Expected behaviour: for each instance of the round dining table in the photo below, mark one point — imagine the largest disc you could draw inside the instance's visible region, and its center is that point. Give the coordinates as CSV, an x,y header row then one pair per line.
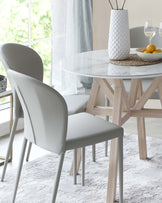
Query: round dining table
x,y
123,104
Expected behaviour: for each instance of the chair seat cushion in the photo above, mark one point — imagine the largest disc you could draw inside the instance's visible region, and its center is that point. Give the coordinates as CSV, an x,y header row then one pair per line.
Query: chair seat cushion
x,y
76,103
85,129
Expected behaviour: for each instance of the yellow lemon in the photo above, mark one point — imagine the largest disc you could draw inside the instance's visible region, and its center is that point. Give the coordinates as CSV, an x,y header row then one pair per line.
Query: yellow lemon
x,y
155,52
148,52
158,50
142,50
151,48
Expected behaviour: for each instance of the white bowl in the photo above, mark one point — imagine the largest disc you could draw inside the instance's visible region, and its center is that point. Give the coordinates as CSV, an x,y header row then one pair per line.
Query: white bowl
x,y
149,56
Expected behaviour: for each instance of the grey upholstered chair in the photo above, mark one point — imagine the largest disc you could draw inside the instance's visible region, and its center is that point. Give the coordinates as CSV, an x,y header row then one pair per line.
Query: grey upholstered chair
x,y
139,40
25,60
48,125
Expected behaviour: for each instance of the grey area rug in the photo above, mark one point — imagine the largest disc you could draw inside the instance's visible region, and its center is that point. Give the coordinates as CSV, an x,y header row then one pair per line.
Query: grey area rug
x,y
142,179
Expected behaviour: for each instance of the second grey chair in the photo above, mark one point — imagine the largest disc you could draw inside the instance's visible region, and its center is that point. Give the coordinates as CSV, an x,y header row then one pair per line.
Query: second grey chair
x,y
48,125
25,60
139,40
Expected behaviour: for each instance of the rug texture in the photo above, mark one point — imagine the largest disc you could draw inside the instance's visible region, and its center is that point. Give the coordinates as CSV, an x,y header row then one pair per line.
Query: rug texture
x,y
142,179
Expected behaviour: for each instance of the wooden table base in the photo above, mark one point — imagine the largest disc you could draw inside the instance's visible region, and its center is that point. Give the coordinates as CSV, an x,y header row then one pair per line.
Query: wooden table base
x,y
124,107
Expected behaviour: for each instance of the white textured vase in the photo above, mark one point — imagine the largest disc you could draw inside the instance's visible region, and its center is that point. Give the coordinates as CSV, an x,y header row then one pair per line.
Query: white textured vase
x,y
119,37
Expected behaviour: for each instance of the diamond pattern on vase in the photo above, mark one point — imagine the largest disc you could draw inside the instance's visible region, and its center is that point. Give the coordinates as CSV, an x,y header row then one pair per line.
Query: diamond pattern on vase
x,y
119,38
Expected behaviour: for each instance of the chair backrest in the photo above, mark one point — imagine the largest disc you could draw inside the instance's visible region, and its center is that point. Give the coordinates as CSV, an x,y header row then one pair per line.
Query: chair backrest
x,y
139,40
24,60
45,112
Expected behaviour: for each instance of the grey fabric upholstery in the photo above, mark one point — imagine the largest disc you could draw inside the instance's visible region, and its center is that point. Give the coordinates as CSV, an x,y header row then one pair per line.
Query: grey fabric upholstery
x,y
86,129
139,40
76,103
48,125
25,60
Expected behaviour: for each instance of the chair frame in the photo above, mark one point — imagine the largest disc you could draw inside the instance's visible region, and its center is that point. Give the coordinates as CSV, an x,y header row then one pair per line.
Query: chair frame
x,y
35,136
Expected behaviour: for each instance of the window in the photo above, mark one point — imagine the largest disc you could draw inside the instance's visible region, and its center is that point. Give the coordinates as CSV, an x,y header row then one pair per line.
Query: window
x,y
27,22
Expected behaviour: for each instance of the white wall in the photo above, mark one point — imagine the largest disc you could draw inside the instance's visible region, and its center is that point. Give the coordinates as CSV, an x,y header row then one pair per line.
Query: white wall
x,y
101,14
139,11
100,30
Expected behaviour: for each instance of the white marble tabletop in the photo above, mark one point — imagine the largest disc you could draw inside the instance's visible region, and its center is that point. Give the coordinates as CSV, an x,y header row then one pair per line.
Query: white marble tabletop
x,y
96,64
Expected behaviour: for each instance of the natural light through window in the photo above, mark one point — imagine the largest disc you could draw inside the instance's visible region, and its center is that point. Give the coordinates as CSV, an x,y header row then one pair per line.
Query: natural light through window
x,y
28,22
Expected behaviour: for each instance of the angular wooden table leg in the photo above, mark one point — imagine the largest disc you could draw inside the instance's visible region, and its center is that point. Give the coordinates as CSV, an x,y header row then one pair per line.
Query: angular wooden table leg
x,y
142,138
140,120
112,176
113,161
141,130
134,95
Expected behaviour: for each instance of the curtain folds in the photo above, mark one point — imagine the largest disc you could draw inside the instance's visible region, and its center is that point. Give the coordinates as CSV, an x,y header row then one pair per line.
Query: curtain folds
x,y
72,32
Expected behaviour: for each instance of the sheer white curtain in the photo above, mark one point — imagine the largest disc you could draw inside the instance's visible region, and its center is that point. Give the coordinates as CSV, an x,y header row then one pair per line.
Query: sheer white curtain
x,y
71,33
